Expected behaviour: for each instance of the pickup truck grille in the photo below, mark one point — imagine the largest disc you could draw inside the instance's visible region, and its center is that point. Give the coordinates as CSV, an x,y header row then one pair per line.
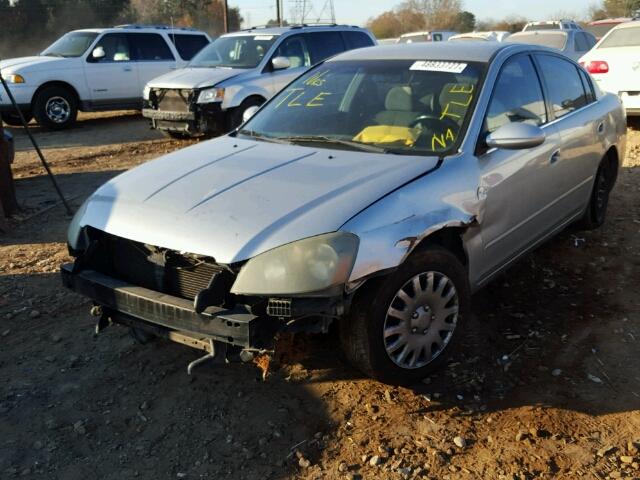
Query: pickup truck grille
x,y
173,100
167,271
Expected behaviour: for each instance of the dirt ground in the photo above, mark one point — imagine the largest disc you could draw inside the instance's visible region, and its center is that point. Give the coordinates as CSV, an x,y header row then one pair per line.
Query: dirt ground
x,y
545,383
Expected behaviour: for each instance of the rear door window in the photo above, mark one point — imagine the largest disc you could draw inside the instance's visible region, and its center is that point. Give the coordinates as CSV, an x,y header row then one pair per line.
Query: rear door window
x,y
323,45
188,45
588,86
355,40
149,47
562,79
580,42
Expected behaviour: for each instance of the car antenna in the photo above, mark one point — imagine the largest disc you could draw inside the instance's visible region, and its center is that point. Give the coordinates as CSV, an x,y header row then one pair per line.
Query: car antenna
x,y
35,145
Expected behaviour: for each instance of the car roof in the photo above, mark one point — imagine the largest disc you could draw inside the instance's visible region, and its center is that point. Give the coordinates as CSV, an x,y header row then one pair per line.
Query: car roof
x,y
143,28
543,32
451,51
630,24
611,21
292,28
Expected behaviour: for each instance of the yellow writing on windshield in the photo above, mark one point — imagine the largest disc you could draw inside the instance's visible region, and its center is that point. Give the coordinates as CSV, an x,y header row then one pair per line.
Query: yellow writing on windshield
x,y
441,140
316,80
456,107
293,98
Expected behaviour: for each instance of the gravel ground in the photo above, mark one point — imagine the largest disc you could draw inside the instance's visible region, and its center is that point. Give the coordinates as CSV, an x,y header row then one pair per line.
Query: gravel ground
x,y
544,384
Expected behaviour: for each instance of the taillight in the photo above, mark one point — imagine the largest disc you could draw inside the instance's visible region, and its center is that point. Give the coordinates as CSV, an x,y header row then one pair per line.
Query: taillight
x,y
597,66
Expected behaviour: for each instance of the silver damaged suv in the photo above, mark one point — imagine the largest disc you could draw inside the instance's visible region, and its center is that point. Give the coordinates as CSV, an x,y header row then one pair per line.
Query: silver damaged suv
x,y
238,71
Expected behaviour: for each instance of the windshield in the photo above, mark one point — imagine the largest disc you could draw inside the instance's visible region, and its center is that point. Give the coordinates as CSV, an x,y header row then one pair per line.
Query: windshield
x,y
554,40
245,51
600,30
623,37
394,106
72,44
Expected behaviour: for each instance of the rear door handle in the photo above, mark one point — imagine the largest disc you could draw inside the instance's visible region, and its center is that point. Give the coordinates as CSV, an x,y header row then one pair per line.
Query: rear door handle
x,y
555,156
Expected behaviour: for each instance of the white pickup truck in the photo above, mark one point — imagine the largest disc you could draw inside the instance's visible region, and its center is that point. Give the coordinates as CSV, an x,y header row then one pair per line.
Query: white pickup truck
x,y
94,70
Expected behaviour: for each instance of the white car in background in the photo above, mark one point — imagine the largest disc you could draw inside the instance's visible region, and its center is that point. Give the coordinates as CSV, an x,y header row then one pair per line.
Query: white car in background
x,y
433,36
493,36
615,64
94,70
572,43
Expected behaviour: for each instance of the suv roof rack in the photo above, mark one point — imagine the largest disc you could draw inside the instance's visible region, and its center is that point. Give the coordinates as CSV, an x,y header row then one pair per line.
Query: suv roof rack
x,y
157,27
299,25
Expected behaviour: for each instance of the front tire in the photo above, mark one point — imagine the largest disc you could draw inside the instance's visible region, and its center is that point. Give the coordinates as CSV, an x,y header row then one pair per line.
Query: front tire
x,y
55,108
401,330
13,119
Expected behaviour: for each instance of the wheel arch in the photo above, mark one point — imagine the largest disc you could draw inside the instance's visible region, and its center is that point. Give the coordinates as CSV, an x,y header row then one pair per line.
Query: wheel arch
x,y
56,83
449,238
614,159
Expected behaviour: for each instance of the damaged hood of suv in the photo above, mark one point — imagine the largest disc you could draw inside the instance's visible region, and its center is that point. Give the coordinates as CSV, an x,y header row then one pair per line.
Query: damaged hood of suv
x,y
190,77
233,199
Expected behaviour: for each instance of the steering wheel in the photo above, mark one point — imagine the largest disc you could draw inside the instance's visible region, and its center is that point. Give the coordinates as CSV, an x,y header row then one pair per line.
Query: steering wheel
x,y
434,122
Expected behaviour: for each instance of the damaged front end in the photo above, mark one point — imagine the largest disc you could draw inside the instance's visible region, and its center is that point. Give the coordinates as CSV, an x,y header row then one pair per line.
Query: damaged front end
x,y
190,298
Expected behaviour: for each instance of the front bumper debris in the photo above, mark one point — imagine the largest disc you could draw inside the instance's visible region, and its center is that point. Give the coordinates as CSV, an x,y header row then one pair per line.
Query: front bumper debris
x,y
125,303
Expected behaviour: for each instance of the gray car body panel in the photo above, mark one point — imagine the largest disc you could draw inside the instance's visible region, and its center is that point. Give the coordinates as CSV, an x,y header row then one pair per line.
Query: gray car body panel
x,y
233,199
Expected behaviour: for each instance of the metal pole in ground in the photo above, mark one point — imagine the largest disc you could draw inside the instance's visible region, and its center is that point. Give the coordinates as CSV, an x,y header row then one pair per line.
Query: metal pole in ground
x,y
35,145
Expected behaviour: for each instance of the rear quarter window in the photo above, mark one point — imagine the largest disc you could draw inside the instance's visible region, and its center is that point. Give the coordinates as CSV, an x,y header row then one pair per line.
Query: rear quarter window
x,y
149,47
355,40
188,45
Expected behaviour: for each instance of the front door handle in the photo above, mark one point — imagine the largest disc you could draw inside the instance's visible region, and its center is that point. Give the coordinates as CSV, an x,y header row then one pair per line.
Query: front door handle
x,y
601,128
126,69
555,156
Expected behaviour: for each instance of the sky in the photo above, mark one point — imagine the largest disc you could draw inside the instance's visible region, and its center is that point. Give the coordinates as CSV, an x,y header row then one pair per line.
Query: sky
x,y
357,12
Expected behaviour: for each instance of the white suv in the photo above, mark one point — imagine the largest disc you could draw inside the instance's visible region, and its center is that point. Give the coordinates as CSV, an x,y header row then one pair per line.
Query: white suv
x,y
94,70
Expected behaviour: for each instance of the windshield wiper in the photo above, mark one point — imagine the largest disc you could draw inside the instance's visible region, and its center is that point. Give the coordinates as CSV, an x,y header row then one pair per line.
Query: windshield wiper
x,y
365,147
263,137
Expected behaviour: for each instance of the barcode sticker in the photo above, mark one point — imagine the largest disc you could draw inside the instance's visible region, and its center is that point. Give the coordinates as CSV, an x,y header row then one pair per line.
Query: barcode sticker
x,y
439,66
263,37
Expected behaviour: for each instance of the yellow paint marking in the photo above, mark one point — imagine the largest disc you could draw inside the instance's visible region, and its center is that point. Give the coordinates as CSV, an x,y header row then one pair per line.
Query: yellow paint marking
x,y
450,135
461,89
286,97
438,139
447,113
316,80
292,102
318,100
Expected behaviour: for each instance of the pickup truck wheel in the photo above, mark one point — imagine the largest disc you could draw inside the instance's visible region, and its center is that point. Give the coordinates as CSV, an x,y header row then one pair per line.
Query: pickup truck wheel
x,y
401,330
13,119
596,212
55,108
235,117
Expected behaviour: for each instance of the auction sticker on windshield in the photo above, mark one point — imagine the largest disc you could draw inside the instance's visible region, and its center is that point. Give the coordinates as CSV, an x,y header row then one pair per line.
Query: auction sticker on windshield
x,y
263,37
434,66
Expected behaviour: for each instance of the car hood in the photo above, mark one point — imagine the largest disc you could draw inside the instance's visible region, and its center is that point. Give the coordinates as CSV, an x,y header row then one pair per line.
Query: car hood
x,y
13,64
232,199
194,77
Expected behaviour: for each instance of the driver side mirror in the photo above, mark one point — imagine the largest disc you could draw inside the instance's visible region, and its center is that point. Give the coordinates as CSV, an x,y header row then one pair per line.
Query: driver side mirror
x,y
98,53
516,136
280,63
249,112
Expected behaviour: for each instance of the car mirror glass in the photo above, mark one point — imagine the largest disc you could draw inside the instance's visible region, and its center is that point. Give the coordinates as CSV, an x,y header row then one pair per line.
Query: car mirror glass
x,y
280,63
249,112
98,53
516,136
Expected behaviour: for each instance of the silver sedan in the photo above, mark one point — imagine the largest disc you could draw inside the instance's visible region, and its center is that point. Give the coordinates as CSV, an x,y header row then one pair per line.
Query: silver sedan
x,y
379,190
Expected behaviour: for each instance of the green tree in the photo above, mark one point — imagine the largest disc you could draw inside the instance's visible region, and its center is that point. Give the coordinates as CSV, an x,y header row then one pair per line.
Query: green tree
x,y
621,8
465,22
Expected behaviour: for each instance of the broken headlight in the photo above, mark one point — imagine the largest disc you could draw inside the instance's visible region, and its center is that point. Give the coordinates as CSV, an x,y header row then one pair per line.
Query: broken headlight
x,y
211,95
306,266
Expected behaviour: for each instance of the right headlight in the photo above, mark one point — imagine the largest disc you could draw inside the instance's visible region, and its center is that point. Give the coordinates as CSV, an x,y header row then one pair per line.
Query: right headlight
x,y
146,92
211,95
306,266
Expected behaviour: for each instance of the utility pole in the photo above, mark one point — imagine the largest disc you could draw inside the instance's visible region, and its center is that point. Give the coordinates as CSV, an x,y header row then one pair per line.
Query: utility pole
x,y
225,16
278,13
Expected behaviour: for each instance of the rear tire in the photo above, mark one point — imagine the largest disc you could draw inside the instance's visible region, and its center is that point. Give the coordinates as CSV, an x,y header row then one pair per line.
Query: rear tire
x,y
235,117
374,338
55,108
13,119
596,212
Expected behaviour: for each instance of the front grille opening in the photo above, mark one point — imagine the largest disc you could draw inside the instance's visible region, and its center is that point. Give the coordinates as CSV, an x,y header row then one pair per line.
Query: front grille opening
x,y
173,100
163,270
